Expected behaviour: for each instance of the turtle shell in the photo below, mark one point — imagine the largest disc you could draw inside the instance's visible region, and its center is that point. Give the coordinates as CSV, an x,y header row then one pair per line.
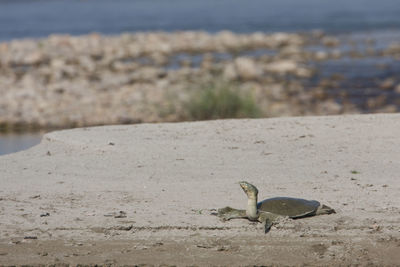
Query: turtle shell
x,y
287,206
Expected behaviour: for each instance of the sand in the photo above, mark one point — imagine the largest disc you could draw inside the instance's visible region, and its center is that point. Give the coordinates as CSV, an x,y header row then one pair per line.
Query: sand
x,y
145,194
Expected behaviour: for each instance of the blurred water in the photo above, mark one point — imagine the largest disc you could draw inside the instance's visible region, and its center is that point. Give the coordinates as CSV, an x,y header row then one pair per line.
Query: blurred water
x,y
10,143
38,18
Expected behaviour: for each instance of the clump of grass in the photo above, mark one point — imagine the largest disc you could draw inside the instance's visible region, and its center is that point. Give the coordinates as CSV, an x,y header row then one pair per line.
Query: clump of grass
x,y
221,100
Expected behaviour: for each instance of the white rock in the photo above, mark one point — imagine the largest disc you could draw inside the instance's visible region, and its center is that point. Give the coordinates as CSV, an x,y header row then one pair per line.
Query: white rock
x,y
247,69
282,66
230,72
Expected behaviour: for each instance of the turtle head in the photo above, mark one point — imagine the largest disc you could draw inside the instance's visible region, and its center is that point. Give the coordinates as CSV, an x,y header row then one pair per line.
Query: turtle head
x,y
250,190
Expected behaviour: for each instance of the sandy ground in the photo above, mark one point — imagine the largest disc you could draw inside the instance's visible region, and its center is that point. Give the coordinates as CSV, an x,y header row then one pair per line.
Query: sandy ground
x,y
145,194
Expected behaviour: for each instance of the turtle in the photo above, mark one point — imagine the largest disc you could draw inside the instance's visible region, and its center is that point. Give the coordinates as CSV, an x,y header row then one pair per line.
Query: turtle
x,y
269,210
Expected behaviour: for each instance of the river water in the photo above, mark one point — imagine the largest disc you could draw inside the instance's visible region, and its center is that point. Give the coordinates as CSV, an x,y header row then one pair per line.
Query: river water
x,y
40,18
10,143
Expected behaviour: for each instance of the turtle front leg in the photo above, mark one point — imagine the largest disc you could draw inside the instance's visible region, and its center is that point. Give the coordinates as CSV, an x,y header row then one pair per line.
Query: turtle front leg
x,y
267,219
229,213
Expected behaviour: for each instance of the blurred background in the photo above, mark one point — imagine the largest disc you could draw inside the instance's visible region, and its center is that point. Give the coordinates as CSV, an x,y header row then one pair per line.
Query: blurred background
x,y
77,63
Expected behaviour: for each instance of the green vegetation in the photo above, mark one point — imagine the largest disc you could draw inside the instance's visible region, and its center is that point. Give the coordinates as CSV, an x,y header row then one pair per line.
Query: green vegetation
x,y
355,172
18,127
219,100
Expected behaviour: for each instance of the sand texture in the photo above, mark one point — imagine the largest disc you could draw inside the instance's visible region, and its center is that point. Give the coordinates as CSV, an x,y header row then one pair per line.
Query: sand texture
x,y
145,194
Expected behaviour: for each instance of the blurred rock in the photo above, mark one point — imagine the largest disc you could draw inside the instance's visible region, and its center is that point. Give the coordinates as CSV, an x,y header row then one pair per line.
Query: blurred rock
x,y
393,49
321,55
376,102
247,69
230,72
387,84
282,66
330,41
329,107
397,89
388,109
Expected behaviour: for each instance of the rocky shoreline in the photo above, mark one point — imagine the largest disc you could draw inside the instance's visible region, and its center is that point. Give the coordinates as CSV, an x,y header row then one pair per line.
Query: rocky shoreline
x,y
68,81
